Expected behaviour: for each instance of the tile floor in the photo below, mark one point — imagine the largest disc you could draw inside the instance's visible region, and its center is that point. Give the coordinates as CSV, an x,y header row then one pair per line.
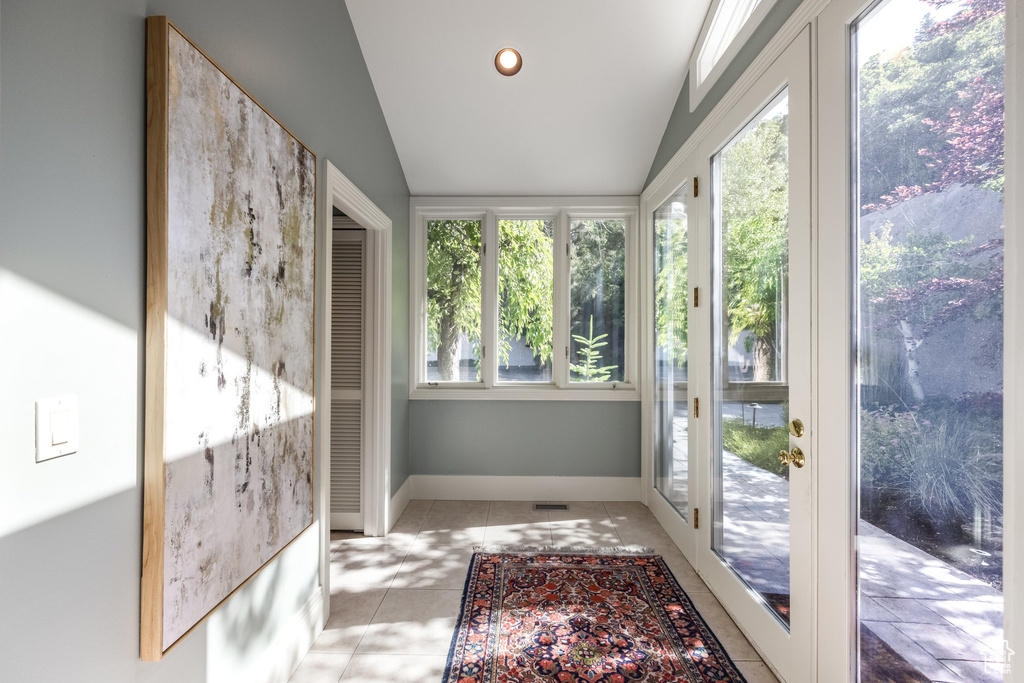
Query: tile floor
x,y
395,600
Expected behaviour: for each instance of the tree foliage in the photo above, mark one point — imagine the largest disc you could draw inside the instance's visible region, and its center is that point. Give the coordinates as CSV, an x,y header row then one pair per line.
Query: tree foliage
x,y
453,290
755,221
454,278
597,287
671,292
526,275
931,109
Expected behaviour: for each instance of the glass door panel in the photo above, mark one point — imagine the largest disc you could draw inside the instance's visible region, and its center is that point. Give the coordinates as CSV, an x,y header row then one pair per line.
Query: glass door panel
x,y
671,301
750,312
927,223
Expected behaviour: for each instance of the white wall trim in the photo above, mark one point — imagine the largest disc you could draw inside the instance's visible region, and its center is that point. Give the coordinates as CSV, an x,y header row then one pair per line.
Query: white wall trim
x,y
1013,363
618,392
458,487
667,179
400,501
488,210
342,193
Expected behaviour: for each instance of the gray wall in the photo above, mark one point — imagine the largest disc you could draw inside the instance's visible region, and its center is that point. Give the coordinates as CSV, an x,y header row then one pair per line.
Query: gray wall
x,y
72,311
683,122
525,438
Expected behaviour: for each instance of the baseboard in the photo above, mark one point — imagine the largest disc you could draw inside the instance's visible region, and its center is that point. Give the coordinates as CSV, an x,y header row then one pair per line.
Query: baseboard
x,y
464,487
399,501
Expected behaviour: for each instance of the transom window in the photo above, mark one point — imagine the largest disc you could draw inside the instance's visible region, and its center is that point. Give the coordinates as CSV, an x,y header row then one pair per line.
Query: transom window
x,y
523,300
728,25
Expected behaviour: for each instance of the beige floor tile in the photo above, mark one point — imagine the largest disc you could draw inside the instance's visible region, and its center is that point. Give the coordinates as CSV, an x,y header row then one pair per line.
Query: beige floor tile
x,y
338,538
440,531
370,668
373,567
419,622
319,667
514,512
352,610
722,625
643,532
627,510
442,567
688,579
536,534
417,507
403,533
598,533
579,510
448,508
756,672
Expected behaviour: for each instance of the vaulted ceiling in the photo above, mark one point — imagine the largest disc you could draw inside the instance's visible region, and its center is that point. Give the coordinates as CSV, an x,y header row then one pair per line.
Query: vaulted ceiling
x,y
584,116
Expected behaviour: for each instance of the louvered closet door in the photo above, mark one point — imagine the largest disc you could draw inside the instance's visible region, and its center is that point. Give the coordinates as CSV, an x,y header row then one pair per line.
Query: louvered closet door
x,y
347,320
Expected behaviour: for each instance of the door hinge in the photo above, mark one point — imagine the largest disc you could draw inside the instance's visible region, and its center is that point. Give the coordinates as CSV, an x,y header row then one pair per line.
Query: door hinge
x,y
483,351
695,186
696,407
567,249
696,518
484,246
696,297
566,351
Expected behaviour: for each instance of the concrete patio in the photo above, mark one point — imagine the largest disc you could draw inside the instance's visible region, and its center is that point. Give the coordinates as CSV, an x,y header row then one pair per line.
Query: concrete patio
x,y
943,622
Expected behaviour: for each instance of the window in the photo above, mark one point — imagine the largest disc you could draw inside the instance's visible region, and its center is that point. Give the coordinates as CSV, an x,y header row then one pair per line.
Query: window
x,y
523,301
728,25
453,300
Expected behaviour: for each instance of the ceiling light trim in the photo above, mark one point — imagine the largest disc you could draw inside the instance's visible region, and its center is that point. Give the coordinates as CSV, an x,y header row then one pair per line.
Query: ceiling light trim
x,y
502,67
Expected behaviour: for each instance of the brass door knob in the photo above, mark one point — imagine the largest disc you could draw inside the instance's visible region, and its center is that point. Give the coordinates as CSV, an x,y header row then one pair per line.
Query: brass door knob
x,y
796,428
795,458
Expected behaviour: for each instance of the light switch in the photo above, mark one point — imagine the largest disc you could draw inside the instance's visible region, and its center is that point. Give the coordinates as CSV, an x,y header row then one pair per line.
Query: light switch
x,y
56,427
59,427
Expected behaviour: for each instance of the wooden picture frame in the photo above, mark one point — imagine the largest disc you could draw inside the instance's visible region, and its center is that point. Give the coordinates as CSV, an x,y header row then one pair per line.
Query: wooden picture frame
x,y
231,223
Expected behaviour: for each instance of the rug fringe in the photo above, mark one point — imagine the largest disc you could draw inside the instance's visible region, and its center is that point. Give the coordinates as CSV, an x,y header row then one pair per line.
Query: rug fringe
x,y
564,550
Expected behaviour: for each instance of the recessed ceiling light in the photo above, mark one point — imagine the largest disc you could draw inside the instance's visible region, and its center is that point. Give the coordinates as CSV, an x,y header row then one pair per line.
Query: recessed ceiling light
x,y
508,62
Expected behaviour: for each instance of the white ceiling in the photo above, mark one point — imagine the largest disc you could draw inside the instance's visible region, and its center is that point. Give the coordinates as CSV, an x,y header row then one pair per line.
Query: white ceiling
x,y
583,117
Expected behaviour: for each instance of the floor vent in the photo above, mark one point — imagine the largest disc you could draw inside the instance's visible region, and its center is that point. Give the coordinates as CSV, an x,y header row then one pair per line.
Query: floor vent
x,y
550,506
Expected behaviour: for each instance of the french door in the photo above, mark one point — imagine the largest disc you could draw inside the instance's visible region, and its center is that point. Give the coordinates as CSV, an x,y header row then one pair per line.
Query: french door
x,y
733,462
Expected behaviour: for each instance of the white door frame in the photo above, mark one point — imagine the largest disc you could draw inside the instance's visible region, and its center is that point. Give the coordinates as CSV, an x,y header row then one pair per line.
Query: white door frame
x,y
837,519
340,192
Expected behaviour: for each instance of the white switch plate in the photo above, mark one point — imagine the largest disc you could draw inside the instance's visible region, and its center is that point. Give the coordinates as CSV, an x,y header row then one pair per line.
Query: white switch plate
x,y
56,427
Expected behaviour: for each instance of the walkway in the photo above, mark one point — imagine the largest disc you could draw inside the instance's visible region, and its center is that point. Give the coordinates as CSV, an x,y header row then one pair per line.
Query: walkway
x,y
945,623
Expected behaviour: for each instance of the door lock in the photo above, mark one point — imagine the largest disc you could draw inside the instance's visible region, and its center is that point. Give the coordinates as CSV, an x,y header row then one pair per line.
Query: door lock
x,y
795,458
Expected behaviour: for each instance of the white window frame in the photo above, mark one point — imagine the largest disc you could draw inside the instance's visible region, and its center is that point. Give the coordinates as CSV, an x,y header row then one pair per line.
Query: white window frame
x,y
489,210
728,25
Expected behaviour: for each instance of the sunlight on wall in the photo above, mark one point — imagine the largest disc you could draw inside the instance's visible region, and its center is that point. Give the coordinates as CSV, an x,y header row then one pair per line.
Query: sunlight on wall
x,y
193,350
53,346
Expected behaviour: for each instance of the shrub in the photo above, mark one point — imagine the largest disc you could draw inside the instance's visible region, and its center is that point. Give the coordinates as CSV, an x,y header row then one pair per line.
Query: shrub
x,y
759,446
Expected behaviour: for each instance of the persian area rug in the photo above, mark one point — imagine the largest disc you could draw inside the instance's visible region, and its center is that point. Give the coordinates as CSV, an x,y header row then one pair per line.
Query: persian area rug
x,y
566,615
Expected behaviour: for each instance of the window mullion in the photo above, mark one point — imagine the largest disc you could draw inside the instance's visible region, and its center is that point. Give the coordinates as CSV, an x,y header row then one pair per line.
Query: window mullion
x,y
560,367
489,302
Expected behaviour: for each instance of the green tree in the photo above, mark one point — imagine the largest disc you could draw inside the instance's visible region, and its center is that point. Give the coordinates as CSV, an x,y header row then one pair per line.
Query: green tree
x,y
453,289
590,370
525,281
526,276
900,97
597,286
755,217
670,287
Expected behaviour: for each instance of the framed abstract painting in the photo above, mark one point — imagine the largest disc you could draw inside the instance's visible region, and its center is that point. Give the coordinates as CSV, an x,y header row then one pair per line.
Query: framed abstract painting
x,y
231,216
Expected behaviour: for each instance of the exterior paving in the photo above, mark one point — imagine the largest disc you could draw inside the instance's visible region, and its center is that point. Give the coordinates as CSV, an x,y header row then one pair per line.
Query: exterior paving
x,y
942,621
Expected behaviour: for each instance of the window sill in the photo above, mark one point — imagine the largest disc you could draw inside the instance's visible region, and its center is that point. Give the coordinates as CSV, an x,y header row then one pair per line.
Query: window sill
x,y
548,392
